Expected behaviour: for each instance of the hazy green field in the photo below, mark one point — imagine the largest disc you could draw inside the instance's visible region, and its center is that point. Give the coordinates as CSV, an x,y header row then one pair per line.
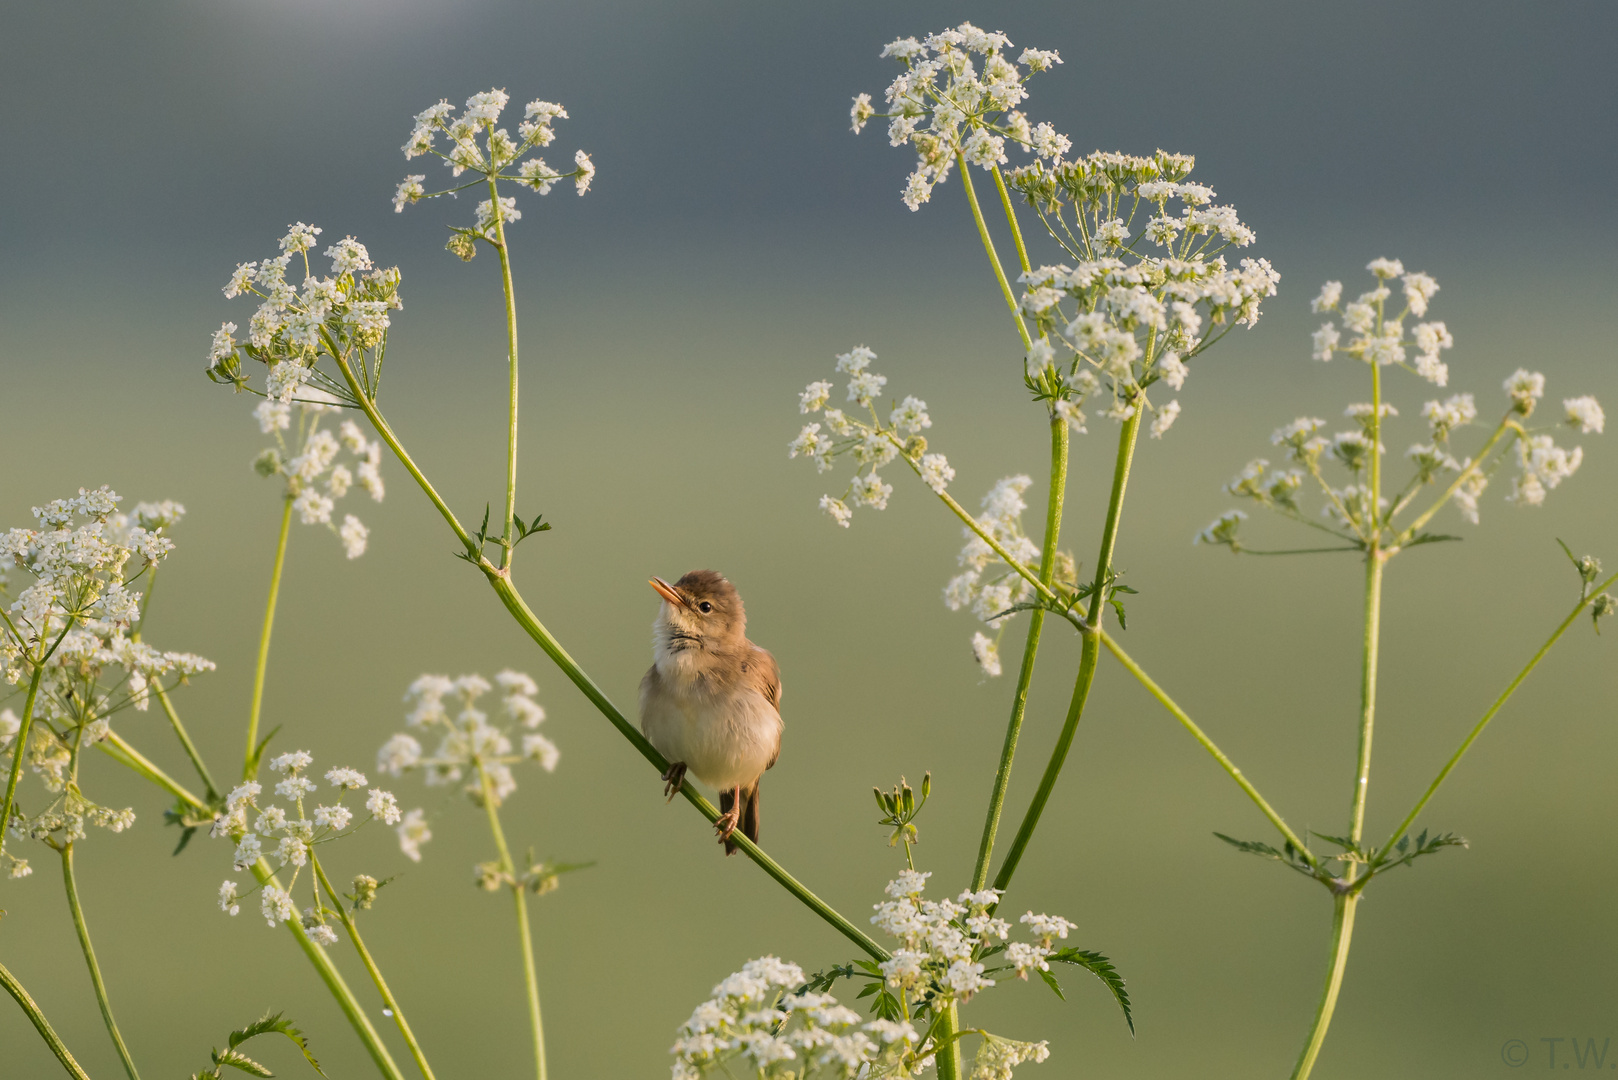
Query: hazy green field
x,y
655,435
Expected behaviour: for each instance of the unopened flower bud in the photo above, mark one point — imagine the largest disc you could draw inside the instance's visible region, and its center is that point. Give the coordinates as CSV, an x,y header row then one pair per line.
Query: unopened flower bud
x,y
915,446
462,246
365,887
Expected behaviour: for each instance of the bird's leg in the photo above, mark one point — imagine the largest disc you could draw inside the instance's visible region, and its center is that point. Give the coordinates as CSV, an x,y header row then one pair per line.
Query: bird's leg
x,y
673,779
732,816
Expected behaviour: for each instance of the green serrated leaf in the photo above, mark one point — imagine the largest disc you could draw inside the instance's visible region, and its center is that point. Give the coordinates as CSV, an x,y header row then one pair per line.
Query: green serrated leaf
x,y
238,1060
1103,969
186,833
1433,538
887,1007
276,1024
1050,981
1118,606
870,988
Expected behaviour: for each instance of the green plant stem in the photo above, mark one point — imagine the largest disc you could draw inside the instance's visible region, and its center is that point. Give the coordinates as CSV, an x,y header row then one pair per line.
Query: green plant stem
x,y
1375,560
37,1017
524,932
333,979
1207,744
1499,702
1011,218
118,748
1342,931
948,1059
511,338
1025,674
250,758
375,972
19,751
500,581
185,741
1090,651
994,259
90,960
1438,504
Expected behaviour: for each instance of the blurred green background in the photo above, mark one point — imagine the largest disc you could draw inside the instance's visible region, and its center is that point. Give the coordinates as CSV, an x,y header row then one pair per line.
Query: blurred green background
x,y
736,239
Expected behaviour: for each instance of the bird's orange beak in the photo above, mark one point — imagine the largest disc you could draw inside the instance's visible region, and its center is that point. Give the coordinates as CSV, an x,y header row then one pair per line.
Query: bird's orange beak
x,y
666,591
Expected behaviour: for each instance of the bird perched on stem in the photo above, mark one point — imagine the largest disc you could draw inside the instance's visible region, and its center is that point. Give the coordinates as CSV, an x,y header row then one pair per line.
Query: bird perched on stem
x,y
711,701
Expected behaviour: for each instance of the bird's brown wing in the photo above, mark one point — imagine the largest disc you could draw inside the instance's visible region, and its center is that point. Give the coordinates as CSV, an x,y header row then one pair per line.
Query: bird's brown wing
x,y
760,672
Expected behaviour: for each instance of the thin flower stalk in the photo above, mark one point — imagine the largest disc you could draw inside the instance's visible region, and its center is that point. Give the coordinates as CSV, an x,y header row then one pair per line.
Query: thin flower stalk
x,y
1089,653
1025,673
1489,714
524,931
90,961
511,338
262,665
36,1016
994,259
388,1000
1206,743
1342,933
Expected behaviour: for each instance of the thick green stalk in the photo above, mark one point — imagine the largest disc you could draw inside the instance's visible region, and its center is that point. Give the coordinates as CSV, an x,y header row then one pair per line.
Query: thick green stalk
x,y
375,972
994,259
948,1058
524,932
1025,674
250,759
37,1017
90,961
333,979
1090,650
18,752
511,338
1499,702
1207,744
1342,931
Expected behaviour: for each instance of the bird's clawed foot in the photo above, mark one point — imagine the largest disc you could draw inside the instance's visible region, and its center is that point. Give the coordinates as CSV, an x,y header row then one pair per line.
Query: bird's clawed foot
x,y
727,823
673,779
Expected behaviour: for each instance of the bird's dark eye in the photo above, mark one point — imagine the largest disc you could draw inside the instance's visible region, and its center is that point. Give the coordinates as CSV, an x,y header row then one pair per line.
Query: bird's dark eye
x,y
705,607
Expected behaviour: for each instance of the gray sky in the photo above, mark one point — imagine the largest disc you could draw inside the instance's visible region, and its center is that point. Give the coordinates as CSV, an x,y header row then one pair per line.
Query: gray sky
x,y
181,129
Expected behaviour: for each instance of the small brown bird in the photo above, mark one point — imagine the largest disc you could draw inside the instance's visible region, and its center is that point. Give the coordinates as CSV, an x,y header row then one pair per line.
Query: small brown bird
x,y
711,701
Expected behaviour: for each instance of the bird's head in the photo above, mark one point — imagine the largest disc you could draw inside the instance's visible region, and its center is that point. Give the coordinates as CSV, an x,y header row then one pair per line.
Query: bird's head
x,y
700,611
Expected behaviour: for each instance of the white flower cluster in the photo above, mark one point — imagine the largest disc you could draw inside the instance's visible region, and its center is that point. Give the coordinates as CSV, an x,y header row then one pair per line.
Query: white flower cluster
x,y
495,160
75,620
343,315
944,943
315,478
761,1019
264,830
989,585
1378,339
1121,317
957,99
1542,464
469,745
872,445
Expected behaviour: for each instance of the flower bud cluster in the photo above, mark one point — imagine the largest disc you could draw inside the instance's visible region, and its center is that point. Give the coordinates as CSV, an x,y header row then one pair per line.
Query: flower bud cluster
x,y
342,315
872,444
1122,317
498,157
290,833
77,622
957,99
469,746
315,478
1541,464
763,1020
